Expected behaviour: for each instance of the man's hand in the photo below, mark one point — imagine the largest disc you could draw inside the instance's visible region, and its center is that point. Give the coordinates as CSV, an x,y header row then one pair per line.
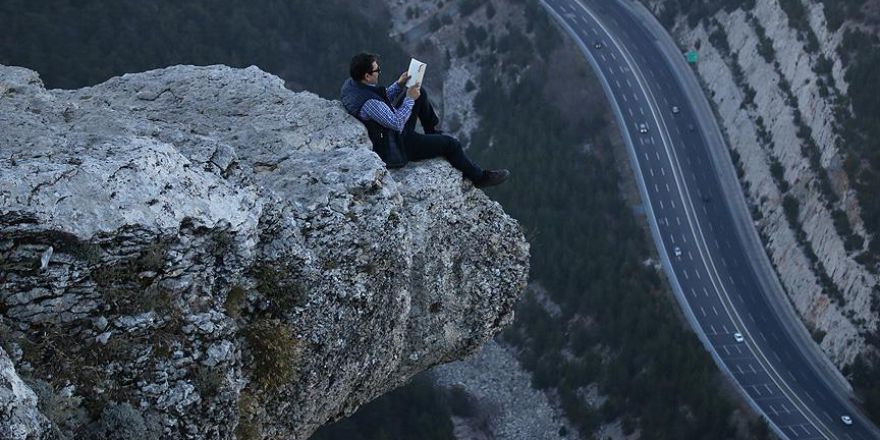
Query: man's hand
x,y
415,91
404,77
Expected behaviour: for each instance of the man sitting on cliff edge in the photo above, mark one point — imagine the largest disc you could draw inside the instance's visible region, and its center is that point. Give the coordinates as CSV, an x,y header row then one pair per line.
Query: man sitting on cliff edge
x,y
392,128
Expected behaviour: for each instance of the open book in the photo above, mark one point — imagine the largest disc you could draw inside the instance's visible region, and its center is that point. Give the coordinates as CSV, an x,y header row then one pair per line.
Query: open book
x,y
416,72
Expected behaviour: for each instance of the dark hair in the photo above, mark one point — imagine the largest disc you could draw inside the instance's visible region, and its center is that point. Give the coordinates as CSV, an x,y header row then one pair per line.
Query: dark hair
x,y
362,64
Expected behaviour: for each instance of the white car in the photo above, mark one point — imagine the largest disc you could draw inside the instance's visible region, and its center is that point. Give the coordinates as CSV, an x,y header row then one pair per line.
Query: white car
x,y
675,110
677,251
846,420
738,337
643,128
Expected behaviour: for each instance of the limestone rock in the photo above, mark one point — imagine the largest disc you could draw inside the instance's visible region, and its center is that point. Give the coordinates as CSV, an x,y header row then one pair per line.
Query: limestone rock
x,y
229,258
19,417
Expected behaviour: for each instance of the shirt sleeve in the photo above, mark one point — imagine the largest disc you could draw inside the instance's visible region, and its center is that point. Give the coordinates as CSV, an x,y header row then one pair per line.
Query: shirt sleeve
x,y
392,91
380,112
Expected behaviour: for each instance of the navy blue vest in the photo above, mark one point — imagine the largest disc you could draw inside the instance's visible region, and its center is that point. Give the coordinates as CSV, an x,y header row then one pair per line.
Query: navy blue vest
x,y
387,143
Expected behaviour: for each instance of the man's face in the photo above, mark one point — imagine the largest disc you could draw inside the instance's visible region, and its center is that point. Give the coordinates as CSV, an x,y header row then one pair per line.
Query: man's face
x,y
373,75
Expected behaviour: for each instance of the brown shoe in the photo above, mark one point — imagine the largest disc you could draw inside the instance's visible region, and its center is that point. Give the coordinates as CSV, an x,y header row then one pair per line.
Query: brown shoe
x,y
491,178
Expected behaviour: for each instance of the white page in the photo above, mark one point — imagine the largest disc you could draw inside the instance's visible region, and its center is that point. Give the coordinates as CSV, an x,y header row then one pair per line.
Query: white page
x,y
416,72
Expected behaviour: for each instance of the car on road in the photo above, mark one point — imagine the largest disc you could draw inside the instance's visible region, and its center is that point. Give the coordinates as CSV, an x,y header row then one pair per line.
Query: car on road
x,y
738,337
847,420
597,45
677,251
675,110
690,127
643,128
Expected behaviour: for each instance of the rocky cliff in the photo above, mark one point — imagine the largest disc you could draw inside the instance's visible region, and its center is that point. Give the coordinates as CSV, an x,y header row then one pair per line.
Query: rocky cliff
x,y
197,252
774,75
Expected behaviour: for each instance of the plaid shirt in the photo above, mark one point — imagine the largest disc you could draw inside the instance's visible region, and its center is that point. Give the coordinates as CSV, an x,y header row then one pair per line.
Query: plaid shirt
x,y
380,112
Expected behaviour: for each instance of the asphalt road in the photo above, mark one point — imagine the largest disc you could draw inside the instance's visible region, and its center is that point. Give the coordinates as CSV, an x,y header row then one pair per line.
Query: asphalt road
x,y
705,253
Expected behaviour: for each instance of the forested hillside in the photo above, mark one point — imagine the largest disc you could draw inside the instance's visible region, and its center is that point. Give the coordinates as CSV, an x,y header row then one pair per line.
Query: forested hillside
x,y
73,43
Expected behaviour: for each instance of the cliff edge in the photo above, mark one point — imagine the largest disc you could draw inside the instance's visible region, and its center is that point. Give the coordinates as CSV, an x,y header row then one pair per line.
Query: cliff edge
x,y
198,252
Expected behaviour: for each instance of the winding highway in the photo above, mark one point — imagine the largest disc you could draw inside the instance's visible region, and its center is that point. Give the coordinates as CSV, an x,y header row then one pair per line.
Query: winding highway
x,y
701,226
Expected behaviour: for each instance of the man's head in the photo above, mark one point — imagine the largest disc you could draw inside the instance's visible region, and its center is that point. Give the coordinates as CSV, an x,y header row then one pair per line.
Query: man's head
x,y
365,68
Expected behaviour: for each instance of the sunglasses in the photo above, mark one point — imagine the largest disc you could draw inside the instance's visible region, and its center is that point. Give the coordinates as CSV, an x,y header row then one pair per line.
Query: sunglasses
x,y
376,71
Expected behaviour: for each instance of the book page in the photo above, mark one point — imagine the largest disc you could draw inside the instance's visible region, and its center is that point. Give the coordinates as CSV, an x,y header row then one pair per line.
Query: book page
x,y
416,72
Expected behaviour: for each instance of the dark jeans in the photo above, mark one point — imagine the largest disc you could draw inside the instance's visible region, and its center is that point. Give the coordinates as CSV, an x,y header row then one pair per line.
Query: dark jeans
x,y
428,146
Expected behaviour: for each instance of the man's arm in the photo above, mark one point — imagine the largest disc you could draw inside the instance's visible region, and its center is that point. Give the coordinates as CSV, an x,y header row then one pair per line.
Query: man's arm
x,y
394,119
393,90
